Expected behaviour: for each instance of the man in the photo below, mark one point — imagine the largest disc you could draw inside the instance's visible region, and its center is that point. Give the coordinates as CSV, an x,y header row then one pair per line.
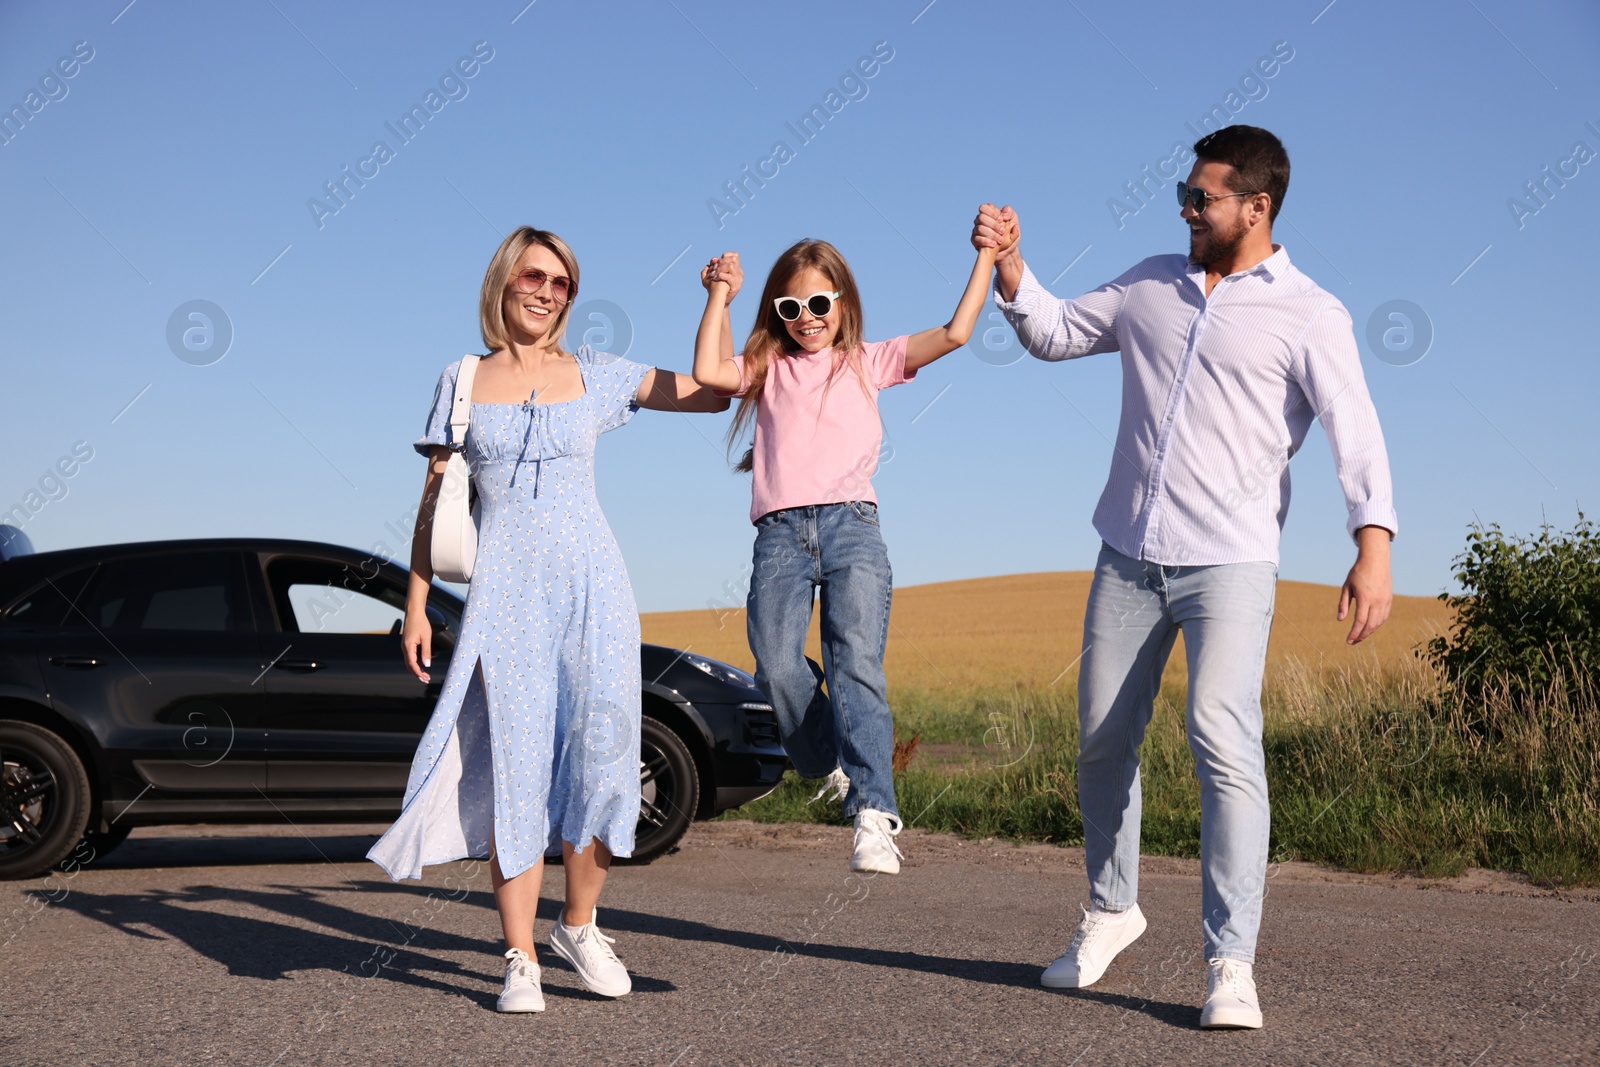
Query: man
x,y
1227,356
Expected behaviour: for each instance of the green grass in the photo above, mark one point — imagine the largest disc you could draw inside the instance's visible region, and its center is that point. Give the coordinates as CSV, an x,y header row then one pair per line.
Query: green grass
x,y
1370,774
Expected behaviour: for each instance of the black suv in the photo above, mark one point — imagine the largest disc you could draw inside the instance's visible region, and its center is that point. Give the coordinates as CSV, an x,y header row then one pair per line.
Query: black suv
x,y
237,680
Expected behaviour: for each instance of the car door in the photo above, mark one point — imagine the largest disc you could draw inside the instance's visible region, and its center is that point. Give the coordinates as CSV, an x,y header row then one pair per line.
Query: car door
x,y
344,715
158,654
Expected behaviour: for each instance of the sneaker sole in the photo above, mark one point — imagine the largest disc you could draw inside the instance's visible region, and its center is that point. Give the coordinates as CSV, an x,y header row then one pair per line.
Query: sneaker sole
x,y
1230,1020
502,1009
869,867
589,984
1135,929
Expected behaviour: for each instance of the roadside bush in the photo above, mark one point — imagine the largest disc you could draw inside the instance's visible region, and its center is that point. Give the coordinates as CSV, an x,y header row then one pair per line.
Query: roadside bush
x,y
1529,614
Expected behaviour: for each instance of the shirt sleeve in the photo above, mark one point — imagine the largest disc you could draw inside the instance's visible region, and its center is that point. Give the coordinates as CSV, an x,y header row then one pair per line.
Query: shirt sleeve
x,y
885,362
1051,328
437,429
1329,373
616,384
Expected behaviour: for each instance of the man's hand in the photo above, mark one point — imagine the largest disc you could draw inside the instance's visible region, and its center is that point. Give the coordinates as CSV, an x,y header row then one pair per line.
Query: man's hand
x,y
1368,585
1013,233
995,228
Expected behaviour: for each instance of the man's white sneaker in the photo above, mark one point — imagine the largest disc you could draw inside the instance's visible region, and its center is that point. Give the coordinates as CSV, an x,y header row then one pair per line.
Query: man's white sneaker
x,y
837,783
1230,997
521,992
589,952
876,852
1095,943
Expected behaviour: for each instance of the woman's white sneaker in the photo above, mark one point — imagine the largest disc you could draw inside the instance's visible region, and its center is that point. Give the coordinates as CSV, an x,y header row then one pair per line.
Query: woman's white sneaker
x,y
589,952
875,850
1095,943
1230,997
521,992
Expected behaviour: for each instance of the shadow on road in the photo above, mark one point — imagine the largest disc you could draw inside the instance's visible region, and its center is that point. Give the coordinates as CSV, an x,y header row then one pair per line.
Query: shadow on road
x,y
403,950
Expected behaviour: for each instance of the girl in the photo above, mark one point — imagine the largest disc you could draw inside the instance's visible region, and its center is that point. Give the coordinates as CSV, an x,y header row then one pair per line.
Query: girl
x,y
535,737
810,384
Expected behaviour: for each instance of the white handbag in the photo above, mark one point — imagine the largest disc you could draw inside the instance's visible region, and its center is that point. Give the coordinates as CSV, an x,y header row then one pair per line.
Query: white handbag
x,y
454,547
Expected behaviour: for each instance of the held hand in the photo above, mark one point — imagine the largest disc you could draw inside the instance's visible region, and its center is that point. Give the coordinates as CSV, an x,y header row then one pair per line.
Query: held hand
x,y
416,639
1013,231
989,229
725,269
1368,586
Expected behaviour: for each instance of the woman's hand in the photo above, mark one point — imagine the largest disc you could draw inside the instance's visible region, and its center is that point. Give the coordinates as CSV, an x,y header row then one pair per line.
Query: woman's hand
x,y
725,269
417,640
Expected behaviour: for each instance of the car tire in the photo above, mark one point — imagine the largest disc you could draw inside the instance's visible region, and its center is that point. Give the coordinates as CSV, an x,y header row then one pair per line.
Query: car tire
x,y
669,788
94,845
44,800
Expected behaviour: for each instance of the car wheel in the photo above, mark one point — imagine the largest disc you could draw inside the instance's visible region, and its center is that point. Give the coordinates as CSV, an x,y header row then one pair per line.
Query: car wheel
x,y
44,800
669,791
95,844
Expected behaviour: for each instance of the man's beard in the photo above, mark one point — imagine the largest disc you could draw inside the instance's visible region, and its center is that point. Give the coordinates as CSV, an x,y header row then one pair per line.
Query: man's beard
x,y
1212,246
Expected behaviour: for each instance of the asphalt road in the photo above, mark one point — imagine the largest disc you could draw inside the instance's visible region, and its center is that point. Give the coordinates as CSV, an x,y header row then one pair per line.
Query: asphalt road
x,y
750,945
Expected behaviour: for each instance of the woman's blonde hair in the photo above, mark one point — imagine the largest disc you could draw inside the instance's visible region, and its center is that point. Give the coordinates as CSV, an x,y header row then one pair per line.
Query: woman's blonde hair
x,y
491,301
769,337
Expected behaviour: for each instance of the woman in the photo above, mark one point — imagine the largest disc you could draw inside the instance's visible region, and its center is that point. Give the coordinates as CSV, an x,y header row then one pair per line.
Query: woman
x,y
535,737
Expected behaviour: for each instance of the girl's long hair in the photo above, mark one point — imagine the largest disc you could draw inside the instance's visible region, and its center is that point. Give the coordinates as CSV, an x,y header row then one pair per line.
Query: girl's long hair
x,y
770,338
491,298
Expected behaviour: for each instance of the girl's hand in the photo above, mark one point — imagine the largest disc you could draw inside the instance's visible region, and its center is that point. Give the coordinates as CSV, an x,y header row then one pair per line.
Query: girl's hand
x,y
417,640
996,228
990,229
724,268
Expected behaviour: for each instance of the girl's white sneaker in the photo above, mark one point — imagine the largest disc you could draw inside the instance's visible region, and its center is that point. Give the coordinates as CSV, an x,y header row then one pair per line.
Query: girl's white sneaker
x,y
876,852
521,992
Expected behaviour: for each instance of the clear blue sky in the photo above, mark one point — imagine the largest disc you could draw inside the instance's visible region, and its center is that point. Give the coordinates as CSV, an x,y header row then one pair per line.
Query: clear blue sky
x,y
176,164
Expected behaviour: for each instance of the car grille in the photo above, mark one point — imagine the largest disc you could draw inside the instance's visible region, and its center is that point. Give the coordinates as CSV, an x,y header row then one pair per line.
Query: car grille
x,y
760,724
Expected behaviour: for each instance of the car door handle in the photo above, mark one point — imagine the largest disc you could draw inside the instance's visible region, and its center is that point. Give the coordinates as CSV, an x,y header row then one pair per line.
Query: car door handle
x,y
81,663
305,665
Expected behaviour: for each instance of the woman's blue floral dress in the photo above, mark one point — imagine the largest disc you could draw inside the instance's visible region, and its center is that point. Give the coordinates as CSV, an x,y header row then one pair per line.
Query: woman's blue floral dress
x,y
535,737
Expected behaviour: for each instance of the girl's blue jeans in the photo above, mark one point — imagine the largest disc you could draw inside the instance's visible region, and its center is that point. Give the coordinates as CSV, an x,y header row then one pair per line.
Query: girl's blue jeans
x,y
838,550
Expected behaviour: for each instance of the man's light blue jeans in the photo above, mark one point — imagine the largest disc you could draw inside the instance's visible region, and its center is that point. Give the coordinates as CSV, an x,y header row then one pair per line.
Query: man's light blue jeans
x,y
838,549
1135,612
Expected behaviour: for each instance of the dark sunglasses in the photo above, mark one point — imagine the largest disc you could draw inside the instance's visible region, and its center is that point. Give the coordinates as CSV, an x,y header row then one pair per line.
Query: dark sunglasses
x,y
819,304
1199,199
531,281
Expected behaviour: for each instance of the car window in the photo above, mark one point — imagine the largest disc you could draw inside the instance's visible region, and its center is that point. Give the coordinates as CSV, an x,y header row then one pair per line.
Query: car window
x,y
181,591
321,597
45,605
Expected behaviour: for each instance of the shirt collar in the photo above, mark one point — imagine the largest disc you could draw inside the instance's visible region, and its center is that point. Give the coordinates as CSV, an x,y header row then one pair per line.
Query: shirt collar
x,y
1272,268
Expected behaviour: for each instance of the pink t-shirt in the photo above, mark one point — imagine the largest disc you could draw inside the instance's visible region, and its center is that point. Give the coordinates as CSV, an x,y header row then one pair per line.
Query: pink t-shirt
x,y
814,451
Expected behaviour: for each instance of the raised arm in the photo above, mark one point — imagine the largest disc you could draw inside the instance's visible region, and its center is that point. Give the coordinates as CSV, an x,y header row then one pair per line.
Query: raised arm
x,y
925,347
998,228
665,390
713,342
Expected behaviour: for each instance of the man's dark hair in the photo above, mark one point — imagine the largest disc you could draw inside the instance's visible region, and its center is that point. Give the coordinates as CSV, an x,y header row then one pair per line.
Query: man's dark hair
x,y
1258,159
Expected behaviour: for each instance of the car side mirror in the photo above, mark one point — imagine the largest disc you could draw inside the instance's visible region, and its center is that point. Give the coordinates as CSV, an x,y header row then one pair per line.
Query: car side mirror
x,y
438,619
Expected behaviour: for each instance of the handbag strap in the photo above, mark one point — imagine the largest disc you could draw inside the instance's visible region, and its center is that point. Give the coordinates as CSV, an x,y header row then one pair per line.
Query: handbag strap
x,y
461,403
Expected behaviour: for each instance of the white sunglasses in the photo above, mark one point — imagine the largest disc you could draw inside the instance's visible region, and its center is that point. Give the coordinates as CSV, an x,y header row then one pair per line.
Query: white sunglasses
x,y
819,304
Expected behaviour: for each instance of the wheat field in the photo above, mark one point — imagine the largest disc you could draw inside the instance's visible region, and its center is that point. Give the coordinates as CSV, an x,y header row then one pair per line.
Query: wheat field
x,y
1027,630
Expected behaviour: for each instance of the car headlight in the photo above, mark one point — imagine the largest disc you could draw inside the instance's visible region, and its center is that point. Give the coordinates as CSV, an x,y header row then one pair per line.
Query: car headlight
x,y
722,672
